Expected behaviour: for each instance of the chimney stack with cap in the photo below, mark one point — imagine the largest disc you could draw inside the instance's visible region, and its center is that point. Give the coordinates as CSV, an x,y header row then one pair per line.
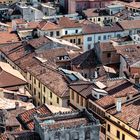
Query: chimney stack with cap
x,y
118,104
16,105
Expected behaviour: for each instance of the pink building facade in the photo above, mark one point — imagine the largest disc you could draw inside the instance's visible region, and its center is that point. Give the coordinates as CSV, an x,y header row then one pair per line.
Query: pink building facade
x,y
79,5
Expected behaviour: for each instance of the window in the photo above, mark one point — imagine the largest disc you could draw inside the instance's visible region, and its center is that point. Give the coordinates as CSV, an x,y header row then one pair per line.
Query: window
x,y
39,95
108,127
76,31
109,36
30,86
34,81
75,136
79,41
72,94
44,100
108,55
30,77
57,135
77,98
85,75
87,135
44,89
34,91
89,46
57,100
104,37
66,32
99,38
51,33
123,137
39,84
81,101
118,134
50,103
108,138
50,94
118,35
99,19
73,40
57,33
89,39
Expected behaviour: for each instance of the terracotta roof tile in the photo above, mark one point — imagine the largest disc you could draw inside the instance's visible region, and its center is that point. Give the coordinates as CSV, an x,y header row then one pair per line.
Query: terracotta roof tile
x,y
26,119
9,80
36,43
130,24
65,22
95,28
106,47
51,78
83,88
6,37
119,89
47,25
131,53
86,60
20,21
130,113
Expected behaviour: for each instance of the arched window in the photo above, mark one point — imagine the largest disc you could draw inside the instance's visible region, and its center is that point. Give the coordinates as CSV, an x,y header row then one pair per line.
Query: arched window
x,y
75,136
87,135
57,135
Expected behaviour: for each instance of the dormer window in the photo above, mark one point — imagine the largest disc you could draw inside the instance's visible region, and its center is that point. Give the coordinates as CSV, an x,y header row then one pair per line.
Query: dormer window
x,y
66,32
95,95
127,98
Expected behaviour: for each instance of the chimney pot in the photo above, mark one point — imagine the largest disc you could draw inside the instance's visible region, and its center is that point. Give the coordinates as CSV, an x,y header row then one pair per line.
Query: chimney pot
x,y
16,105
118,104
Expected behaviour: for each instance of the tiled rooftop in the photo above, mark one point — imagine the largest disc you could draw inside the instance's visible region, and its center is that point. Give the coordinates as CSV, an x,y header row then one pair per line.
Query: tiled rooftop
x,y
65,22
10,77
130,24
66,120
83,88
88,59
26,119
130,113
131,53
95,28
47,25
106,47
119,88
51,78
8,37
95,12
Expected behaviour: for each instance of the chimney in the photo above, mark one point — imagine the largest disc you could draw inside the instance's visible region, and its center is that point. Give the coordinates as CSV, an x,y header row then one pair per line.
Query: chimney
x,y
15,96
16,105
136,78
1,93
96,74
118,104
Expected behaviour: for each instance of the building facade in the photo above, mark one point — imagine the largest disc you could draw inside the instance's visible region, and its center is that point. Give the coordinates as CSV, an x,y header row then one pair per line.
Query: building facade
x,y
66,126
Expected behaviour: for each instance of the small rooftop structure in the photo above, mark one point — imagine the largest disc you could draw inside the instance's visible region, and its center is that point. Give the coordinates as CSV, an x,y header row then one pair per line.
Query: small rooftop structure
x,y
69,122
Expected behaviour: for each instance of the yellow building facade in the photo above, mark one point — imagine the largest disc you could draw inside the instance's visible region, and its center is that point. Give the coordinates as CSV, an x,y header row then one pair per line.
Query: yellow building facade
x,y
77,100
42,94
118,130
76,39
